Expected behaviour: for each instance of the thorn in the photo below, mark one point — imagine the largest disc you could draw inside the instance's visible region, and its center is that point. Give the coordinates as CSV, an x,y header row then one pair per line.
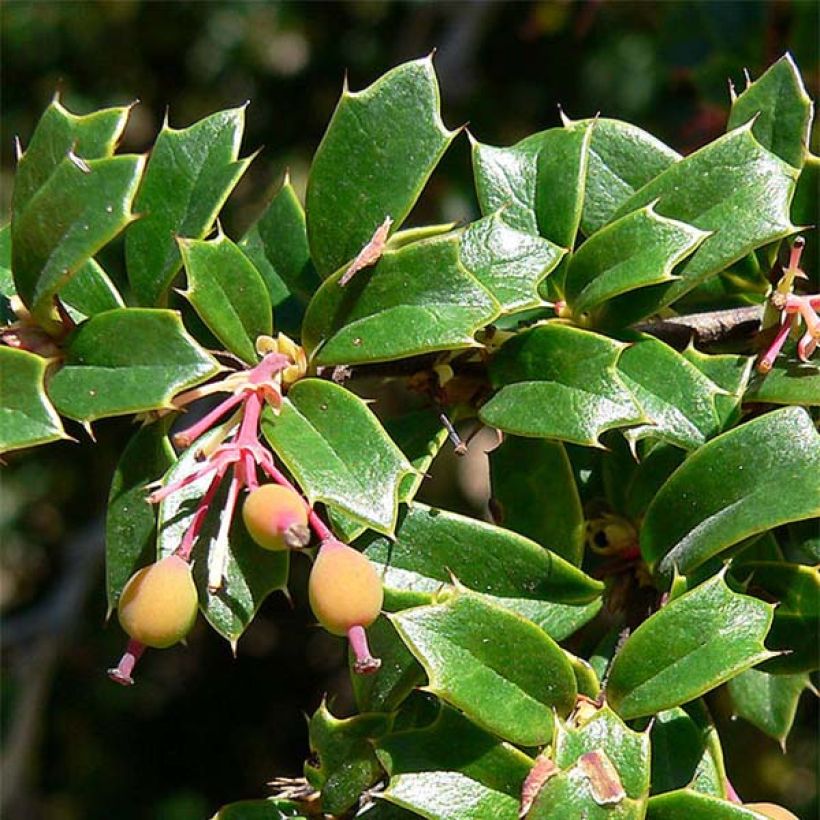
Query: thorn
x,y
79,162
18,149
748,77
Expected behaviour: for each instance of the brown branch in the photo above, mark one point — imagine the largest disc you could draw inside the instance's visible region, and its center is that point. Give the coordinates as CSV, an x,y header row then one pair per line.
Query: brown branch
x,y
732,325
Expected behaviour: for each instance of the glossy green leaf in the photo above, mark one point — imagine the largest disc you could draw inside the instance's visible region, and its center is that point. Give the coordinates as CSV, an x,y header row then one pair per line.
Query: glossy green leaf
x,y
338,452
534,494
732,175
649,476
691,645
7,289
190,174
561,175
81,207
509,263
347,763
27,415
673,393
781,111
228,293
639,249
379,149
501,670
89,292
127,360
728,371
559,382
768,701
277,245
251,573
686,751
687,804
452,743
417,299
131,522
790,381
723,492
622,159
271,808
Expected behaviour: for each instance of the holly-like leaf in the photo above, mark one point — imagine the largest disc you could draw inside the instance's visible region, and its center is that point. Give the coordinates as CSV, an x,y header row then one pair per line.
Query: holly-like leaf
x,y
559,382
417,299
724,492
692,805
790,381
780,109
731,373
190,174
131,522
509,263
506,674
379,149
89,292
732,175
27,415
690,646
127,360
641,248
678,398
251,574
228,293
338,452
277,245
535,494
347,763
768,701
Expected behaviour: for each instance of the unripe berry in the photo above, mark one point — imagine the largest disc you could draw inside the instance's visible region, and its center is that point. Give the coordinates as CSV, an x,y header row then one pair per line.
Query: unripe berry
x,y
345,589
159,603
276,517
771,810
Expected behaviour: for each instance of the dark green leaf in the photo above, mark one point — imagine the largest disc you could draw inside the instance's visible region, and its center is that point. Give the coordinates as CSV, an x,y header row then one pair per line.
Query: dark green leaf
x,y
190,174
504,672
27,415
131,522
691,645
639,249
535,494
379,149
338,452
724,492
277,245
509,263
90,292
729,372
649,476
781,110
228,293
559,382
417,299
686,804
127,360
268,809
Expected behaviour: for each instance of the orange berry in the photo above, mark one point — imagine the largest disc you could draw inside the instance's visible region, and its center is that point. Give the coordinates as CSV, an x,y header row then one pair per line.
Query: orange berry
x,y
276,517
158,605
345,589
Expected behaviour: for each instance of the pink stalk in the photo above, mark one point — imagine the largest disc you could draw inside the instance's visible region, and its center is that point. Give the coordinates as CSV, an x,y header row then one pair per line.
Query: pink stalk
x,y
164,492
766,362
123,671
186,437
806,346
192,533
218,559
365,663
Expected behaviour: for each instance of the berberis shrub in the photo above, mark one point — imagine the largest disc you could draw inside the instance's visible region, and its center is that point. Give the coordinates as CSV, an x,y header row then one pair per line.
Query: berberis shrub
x,y
637,326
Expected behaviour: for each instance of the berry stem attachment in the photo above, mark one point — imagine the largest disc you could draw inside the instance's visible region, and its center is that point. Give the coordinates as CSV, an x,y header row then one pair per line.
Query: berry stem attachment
x,y
365,663
122,672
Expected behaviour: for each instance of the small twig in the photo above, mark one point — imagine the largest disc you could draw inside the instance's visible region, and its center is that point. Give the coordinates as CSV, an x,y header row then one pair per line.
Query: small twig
x,y
370,253
706,328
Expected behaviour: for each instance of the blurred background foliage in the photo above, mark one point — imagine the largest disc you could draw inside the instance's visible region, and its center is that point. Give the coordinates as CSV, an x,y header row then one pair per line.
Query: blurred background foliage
x,y
203,728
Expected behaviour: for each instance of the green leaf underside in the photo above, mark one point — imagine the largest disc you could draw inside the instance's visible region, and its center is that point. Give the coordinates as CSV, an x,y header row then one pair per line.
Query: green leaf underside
x,y
723,493
732,175
535,494
130,524
768,702
781,110
477,754
128,360
686,804
508,262
338,452
252,573
189,176
228,293
639,249
559,382
379,149
691,645
27,415
277,245
77,210
503,672
790,381
417,299
449,796
678,398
